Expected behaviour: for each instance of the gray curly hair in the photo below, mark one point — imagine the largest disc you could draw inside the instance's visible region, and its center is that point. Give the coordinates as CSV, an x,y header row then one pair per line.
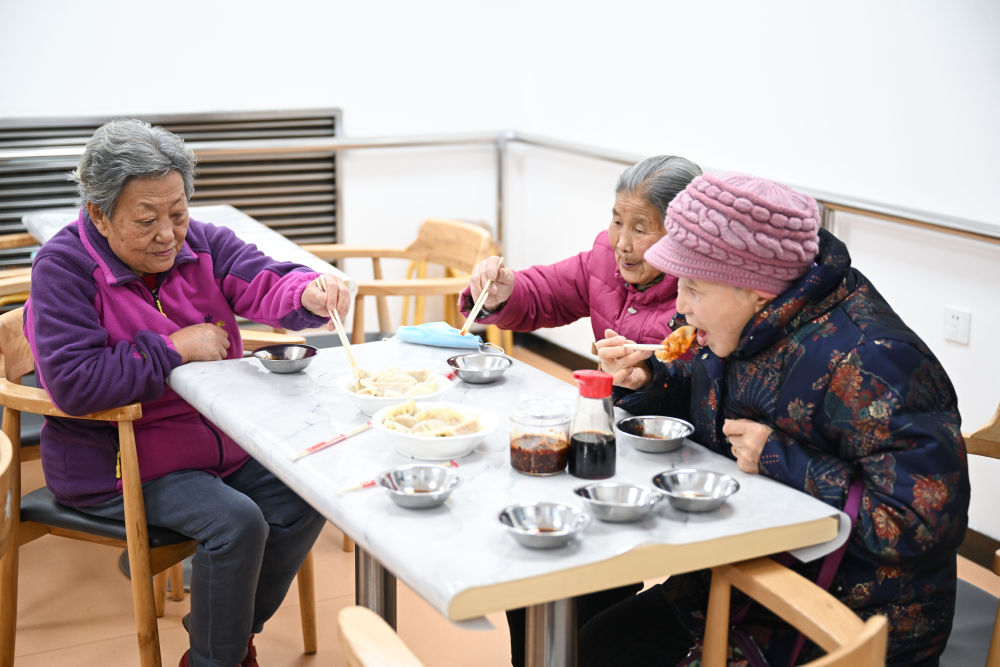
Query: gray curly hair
x,y
658,179
125,149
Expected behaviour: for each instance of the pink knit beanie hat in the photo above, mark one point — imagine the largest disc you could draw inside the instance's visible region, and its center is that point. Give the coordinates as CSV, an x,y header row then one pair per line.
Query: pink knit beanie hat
x,y
739,230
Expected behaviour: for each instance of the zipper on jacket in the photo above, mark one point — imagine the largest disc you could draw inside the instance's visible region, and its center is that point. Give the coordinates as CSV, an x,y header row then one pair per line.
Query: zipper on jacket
x,y
156,300
218,440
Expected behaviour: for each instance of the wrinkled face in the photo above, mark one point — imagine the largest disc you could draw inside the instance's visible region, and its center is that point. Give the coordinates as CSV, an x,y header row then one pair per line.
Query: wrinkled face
x,y
149,224
635,226
718,311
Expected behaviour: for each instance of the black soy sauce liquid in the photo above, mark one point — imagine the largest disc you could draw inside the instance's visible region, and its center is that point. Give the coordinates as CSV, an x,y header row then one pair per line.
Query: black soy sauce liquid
x,y
592,455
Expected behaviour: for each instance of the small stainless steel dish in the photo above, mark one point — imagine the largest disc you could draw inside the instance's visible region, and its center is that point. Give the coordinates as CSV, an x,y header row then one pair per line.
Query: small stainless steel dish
x,y
418,486
619,502
694,490
542,525
480,368
653,433
285,358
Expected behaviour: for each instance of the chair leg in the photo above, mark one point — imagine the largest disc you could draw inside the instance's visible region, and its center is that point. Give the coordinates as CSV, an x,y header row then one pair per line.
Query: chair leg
x,y
8,599
160,592
175,575
307,604
144,608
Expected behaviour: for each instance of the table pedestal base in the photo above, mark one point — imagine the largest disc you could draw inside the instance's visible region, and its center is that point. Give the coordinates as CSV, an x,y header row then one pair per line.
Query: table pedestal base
x,y
375,586
551,634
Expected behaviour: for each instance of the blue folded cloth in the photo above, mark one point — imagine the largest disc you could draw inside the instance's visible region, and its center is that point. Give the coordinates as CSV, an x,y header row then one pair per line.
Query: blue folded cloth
x,y
439,334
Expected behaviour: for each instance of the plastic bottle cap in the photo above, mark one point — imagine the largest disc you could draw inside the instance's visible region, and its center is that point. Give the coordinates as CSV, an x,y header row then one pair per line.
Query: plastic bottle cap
x,y
593,384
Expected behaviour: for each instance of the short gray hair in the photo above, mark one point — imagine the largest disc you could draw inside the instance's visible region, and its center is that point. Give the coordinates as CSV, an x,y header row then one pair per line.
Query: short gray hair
x,y
658,179
125,149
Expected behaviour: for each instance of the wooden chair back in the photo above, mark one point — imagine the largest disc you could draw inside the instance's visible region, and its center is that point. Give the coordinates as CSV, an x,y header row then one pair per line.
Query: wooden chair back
x,y
452,244
849,641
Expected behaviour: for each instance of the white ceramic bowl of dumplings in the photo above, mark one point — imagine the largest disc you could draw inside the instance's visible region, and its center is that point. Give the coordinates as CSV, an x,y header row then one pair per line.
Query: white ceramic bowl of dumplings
x,y
369,404
436,447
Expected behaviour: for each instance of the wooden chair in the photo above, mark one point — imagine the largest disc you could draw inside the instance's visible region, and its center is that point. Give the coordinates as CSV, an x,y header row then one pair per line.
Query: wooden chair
x,y
849,641
983,442
455,245
151,550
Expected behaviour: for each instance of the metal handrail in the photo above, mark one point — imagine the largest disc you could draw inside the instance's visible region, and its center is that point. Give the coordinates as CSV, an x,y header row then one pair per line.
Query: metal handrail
x,y
974,229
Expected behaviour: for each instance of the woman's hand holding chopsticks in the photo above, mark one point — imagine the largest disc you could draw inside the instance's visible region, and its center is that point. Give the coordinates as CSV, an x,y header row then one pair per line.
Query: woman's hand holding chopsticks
x,y
325,295
500,279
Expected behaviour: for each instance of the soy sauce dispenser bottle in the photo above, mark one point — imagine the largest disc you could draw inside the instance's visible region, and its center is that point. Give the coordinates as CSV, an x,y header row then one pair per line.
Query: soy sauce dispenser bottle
x,y
592,433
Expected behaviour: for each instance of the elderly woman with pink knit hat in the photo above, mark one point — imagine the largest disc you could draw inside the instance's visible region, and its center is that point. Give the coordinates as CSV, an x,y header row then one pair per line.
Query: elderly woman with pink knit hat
x,y
804,374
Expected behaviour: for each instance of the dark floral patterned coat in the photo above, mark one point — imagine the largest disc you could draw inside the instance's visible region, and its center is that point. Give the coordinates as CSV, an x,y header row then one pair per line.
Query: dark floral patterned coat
x,y
850,391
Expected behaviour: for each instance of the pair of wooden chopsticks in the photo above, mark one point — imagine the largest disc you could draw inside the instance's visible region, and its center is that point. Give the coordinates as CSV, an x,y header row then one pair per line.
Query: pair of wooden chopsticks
x,y
478,305
332,441
339,326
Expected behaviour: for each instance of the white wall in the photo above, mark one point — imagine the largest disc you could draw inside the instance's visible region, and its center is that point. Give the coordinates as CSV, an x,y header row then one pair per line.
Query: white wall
x,y
888,100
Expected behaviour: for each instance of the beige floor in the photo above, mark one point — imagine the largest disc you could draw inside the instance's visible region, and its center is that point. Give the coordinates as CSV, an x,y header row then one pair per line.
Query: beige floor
x,y
74,608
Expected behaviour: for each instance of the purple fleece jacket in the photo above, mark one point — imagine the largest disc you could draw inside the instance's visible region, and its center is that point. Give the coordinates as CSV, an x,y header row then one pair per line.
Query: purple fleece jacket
x,y
100,342
586,285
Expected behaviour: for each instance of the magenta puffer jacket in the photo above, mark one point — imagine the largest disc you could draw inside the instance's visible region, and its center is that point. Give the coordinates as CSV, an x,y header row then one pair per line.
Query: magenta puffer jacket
x,y
587,285
101,341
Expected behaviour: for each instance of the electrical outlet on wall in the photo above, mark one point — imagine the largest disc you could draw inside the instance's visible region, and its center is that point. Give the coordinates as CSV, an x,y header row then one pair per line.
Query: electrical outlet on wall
x,y
957,325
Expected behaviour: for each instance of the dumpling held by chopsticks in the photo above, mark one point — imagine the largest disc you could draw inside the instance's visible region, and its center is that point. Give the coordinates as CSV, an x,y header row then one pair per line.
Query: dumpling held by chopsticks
x,y
676,344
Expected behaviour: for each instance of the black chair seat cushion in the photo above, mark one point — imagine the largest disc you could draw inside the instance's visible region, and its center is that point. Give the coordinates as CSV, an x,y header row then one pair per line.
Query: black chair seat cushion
x,y
41,507
969,643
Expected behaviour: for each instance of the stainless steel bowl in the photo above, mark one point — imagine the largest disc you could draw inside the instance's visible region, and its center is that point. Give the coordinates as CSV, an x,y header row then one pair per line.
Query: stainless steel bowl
x,y
480,368
418,486
653,433
285,358
618,502
694,490
541,525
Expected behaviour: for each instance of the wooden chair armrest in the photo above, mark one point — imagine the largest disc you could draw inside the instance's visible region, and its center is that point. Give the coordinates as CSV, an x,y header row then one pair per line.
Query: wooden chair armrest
x,y
413,287
35,400
820,616
369,640
328,251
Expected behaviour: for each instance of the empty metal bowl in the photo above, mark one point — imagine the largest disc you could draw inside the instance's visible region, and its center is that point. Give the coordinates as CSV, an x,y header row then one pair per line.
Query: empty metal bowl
x,y
541,525
418,486
653,433
285,358
694,490
480,368
618,502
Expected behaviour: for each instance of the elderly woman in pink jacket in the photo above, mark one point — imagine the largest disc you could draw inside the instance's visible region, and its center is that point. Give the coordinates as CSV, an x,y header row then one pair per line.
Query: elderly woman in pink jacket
x,y
624,297
610,283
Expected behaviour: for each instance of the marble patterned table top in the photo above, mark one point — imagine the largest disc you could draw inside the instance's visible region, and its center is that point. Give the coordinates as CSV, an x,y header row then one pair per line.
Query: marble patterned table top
x,y
458,556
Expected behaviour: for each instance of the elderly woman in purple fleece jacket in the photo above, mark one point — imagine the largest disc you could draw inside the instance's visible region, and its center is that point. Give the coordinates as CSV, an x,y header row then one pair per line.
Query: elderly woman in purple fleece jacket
x,y
119,298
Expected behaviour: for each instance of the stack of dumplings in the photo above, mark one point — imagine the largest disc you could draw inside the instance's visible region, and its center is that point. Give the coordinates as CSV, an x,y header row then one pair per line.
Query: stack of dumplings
x,y
430,421
396,383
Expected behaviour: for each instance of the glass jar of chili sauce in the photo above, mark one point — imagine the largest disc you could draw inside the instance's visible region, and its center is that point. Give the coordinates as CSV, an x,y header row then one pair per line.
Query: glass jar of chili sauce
x,y
539,436
592,436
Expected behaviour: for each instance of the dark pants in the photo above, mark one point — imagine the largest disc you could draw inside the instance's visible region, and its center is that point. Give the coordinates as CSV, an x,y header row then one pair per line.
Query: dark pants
x,y
637,631
587,606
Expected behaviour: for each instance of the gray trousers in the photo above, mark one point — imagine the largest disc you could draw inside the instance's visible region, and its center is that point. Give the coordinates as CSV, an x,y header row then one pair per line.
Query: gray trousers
x,y
253,533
